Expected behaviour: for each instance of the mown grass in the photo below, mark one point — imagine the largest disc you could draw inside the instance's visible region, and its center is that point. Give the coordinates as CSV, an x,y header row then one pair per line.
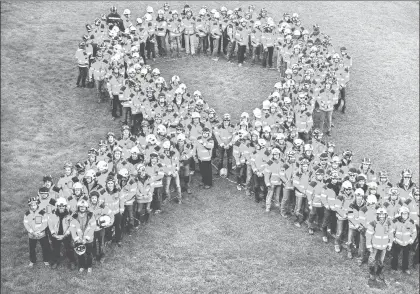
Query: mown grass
x,y
219,242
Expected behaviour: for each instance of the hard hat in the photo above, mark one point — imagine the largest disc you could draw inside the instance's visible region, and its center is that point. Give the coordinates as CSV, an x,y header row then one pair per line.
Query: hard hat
x,y
347,185
257,112
135,149
166,145
371,199
123,172
266,104
359,191
181,137
127,11
90,173
262,142
149,9
61,201
195,115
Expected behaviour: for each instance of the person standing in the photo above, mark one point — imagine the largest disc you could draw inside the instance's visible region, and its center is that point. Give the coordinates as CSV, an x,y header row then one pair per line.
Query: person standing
x,y
204,148
35,222
83,63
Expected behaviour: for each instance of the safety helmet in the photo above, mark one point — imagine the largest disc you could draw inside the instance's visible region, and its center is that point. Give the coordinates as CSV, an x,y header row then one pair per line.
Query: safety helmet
x,y
166,145
123,173
381,210
359,192
257,24
61,201
202,12
304,161
90,173
280,136
135,150
149,9
155,72
257,112
181,137
308,147
262,142
406,173
347,185
266,129
139,21
266,104
257,124
82,203
223,172
78,185
275,151
371,199
151,139
216,15
127,12
102,166
80,248
403,209
195,115
148,17
297,142
320,171
372,185
161,129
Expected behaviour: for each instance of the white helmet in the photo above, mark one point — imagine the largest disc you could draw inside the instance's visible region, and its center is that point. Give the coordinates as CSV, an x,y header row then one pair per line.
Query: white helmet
x,y
347,185
148,17
175,79
77,185
166,145
266,104
202,11
82,203
61,201
151,139
245,115
160,11
139,21
161,129
262,142
123,173
90,173
136,54
275,95
149,9
257,112
371,199
266,129
126,11
197,93
156,71
135,149
280,136
195,115
242,134
181,137
102,166
359,192
216,15
257,24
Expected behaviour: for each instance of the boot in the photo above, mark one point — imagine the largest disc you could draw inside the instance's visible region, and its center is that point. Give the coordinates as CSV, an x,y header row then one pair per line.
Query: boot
x,y
379,273
372,273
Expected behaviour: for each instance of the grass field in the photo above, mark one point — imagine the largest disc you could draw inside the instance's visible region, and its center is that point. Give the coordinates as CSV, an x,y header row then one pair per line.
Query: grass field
x,y
220,241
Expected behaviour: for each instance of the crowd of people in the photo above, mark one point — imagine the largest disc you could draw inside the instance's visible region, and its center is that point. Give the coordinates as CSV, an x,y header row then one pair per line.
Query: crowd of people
x,y
277,155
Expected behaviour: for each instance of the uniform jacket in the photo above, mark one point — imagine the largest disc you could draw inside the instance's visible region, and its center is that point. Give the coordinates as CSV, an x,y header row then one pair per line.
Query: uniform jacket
x,y
35,222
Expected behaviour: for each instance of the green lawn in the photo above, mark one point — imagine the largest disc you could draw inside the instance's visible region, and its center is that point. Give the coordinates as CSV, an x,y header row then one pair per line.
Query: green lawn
x,y
220,241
